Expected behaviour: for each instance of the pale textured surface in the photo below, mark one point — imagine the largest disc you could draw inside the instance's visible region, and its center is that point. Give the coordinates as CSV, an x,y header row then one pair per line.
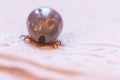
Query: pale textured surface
x,y
90,35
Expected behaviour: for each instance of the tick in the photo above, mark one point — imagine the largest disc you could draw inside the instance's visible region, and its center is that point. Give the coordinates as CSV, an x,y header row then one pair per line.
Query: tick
x,y
44,26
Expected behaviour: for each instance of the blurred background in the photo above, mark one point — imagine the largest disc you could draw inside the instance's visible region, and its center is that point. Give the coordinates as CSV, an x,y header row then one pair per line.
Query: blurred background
x,y
90,36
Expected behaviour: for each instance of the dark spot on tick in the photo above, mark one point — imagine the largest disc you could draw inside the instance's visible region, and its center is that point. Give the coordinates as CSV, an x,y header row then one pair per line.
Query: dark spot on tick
x,y
42,40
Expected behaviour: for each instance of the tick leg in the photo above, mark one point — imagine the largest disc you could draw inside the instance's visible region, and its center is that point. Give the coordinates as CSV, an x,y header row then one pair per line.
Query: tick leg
x,y
26,37
51,44
54,44
58,43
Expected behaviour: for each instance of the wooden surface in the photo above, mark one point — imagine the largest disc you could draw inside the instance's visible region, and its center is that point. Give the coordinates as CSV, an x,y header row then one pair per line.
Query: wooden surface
x,y
90,36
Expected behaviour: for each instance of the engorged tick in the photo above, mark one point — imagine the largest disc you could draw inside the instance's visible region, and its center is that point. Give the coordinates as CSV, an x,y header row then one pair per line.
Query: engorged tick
x,y
44,26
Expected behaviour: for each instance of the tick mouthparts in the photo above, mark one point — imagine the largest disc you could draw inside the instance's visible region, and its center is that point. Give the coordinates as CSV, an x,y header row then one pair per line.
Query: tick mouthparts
x,y
42,39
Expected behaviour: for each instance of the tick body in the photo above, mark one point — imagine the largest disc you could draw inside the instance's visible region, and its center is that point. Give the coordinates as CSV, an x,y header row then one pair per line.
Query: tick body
x,y
44,26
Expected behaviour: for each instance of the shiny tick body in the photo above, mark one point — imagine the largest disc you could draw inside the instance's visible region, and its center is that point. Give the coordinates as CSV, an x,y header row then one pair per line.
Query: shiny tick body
x,y
44,26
